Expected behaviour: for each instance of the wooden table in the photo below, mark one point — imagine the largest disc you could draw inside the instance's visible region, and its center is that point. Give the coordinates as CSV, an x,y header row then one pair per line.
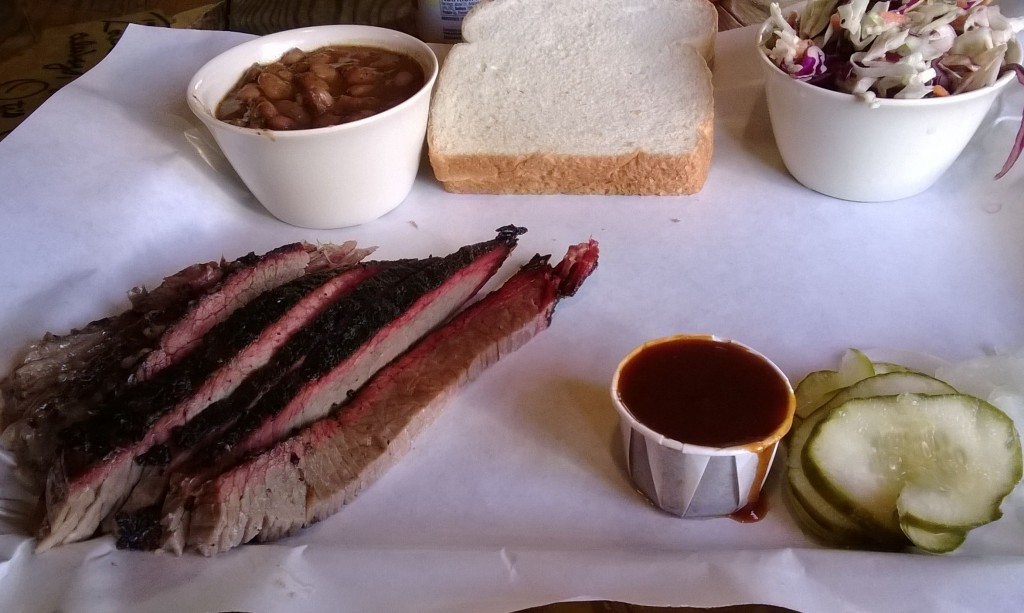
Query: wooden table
x,y
22,21
45,44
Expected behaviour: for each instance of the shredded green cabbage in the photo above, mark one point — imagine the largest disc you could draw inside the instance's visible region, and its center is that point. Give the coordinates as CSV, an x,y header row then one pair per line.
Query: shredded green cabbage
x,y
908,49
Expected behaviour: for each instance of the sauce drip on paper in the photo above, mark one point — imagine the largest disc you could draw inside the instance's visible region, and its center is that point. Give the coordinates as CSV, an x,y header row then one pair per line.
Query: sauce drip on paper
x,y
757,508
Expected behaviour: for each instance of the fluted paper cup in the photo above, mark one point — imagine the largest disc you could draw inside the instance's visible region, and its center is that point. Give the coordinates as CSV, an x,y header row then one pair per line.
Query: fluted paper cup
x,y
696,481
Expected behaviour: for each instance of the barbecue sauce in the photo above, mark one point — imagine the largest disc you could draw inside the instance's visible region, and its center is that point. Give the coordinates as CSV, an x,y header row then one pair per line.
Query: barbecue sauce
x,y
705,392
757,506
712,393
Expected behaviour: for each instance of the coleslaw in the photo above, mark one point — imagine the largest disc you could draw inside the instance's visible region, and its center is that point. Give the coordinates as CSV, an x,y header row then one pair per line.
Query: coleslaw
x,y
908,49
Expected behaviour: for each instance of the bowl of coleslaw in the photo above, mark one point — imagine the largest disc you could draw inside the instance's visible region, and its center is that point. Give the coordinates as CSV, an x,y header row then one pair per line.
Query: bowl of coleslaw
x,y
873,101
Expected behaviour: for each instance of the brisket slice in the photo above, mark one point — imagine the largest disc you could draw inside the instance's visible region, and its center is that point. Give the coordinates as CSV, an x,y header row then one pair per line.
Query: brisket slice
x,y
312,474
60,378
96,467
59,362
382,327
293,335
64,378
241,286
129,521
343,364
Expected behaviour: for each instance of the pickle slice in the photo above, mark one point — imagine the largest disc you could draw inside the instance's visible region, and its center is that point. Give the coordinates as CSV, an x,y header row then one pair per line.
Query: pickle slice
x,y
847,529
882,368
820,386
816,389
940,464
933,542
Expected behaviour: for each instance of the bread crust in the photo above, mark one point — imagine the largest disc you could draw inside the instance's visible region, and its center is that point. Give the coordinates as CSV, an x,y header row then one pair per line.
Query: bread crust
x,y
488,132
636,173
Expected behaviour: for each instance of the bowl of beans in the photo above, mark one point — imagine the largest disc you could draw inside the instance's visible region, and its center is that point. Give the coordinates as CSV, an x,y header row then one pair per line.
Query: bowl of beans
x,y
325,125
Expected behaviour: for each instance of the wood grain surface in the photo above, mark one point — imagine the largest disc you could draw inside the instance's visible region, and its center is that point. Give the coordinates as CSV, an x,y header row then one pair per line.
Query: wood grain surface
x,y
265,16
21,18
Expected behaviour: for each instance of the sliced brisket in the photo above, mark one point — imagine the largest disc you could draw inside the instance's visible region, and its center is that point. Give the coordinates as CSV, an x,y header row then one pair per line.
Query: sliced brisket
x,y
59,373
310,475
383,326
96,467
383,323
63,379
294,334
241,286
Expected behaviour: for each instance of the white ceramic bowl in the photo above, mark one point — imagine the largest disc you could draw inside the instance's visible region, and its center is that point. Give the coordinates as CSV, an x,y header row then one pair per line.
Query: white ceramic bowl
x,y
696,481
330,177
844,147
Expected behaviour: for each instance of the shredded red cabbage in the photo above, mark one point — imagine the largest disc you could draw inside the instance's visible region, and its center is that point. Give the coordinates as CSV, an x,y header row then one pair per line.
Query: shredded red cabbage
x,y
1018,143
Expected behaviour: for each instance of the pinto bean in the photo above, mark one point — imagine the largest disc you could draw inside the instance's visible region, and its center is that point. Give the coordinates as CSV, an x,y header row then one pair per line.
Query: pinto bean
x,y
357,115
292,55
362,90
274,87
386,62
231,108
281,122
344,104
403,79
326,86
293,110
315,92
325,120
325,72
362,74
264,111
248,93
251,73
363,55
319,57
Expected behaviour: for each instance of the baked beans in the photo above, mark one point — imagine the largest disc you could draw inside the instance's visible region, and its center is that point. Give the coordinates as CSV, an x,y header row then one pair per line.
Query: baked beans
x,y
324,87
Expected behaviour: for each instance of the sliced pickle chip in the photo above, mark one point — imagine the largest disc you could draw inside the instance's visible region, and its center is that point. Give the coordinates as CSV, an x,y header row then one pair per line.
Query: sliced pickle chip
x,y
939,464
845,528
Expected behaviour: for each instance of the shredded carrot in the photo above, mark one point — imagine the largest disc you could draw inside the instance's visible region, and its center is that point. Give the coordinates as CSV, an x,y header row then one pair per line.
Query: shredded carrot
x,y
893,17
939,91
835,21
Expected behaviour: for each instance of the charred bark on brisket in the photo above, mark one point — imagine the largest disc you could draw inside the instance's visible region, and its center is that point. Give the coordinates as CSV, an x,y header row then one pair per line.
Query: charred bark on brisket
x,y
95,470
260,274
369,309
372,310
128,418
385,316
139,530
64,379
309,476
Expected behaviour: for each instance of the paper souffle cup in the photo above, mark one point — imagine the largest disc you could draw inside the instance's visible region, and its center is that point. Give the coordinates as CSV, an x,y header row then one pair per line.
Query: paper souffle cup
x,y
845,147
321,178
694,481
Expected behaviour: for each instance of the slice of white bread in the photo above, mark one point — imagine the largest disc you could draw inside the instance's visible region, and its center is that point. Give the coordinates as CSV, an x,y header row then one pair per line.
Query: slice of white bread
x,y
577,96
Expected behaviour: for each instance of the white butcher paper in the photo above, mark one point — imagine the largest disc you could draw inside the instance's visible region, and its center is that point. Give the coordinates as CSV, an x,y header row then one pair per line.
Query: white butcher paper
x,y
518,495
